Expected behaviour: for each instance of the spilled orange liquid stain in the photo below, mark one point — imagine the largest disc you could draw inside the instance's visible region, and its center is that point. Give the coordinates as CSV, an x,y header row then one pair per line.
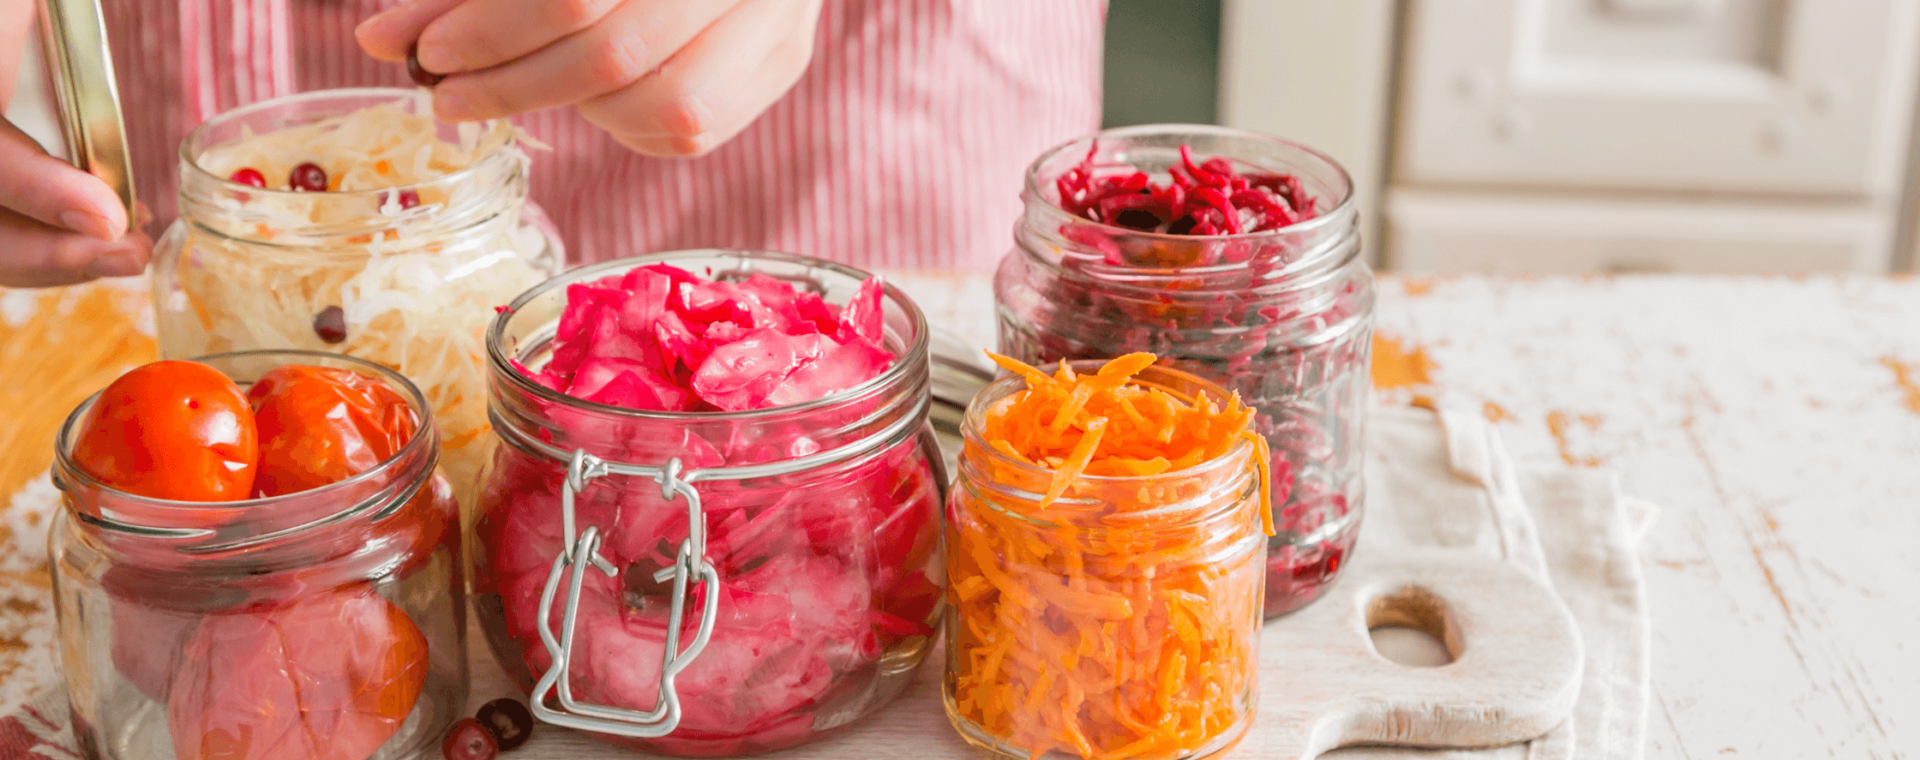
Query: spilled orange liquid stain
x,y
79,339
1395,366
1904,375
1495,413
1557,424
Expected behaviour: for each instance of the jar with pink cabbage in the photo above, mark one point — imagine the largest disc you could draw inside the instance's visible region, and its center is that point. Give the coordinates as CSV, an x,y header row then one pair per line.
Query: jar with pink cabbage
x,y
1232,256
713,527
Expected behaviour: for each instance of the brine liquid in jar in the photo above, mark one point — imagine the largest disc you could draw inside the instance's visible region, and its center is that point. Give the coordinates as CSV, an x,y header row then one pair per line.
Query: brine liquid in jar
x,y
257,558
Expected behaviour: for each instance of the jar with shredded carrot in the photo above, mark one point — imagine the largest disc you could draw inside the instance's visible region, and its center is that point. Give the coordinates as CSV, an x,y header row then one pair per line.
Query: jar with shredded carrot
x,y
1106,539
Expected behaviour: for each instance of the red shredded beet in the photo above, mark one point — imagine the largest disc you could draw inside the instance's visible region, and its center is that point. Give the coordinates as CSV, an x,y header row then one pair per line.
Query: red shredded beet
x,y
1209,198
1234,325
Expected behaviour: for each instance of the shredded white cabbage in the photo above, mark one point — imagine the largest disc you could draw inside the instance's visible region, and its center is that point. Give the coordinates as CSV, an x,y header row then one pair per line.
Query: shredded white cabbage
x,y
415,296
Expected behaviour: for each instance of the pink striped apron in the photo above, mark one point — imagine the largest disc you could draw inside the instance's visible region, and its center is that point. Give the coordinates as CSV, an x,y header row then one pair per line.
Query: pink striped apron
x,y
902,147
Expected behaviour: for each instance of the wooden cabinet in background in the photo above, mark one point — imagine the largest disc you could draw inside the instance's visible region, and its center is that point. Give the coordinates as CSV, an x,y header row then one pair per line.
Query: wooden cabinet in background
x,y
1561,136
1685,135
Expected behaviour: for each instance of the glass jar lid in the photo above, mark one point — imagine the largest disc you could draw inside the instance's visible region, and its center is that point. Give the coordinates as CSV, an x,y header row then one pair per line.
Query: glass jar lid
x,y
74,39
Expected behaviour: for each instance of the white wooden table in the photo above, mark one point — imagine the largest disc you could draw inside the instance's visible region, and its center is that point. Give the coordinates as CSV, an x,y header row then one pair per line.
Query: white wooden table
x,y
1776,420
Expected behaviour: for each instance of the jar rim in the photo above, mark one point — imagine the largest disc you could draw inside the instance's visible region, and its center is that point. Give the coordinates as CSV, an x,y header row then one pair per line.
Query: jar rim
x,y
396,94
503,364
1036,186
65,469
976,414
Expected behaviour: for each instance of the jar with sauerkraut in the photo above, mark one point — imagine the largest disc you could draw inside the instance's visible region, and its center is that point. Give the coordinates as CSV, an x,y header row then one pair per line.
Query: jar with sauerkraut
x,y
353,221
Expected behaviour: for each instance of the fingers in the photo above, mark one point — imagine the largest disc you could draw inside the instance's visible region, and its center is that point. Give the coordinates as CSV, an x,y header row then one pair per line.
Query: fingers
x,y
614,53
59,225
482,33
388,34
51,191
34,255
709,91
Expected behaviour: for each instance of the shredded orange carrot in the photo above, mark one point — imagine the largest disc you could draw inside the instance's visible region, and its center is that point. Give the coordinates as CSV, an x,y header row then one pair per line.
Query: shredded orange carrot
x,y
1106,566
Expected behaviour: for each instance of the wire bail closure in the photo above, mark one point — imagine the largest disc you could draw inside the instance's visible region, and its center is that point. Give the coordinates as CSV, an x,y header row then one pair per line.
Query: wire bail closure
x,y
576,555
581,550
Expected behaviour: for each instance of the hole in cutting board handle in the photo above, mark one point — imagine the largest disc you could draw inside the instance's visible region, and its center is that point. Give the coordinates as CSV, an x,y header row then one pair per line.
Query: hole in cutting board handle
x,y
1416,626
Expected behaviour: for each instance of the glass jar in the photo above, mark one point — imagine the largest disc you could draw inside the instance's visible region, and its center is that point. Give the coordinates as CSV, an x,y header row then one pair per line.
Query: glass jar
x,y
794,550
329,623
1284,317
357,272
1084,629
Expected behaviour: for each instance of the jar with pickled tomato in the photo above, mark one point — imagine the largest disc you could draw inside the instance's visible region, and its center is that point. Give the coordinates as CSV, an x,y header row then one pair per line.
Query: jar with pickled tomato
x,y
1105,604
1230,255
694,566
352,221
324,621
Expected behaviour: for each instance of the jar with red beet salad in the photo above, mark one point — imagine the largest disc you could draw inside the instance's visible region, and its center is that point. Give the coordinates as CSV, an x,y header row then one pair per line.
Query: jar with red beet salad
x,y
353,221
1232,256
712,526
313,607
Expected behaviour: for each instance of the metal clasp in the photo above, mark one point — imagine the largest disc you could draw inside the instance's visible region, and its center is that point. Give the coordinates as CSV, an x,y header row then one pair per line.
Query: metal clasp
x,y
584,550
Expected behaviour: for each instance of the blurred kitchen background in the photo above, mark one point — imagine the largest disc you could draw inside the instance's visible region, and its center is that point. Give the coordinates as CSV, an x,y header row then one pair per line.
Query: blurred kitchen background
x,y
1563,136
1548,136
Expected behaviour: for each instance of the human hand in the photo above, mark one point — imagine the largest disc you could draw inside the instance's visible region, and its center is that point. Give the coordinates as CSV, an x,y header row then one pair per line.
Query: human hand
x,y
663,77
58,225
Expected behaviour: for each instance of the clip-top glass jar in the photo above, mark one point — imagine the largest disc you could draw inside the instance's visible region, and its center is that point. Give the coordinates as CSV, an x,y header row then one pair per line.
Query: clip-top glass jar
x,y
329,623
711,583
1284,317
1121,621
406,276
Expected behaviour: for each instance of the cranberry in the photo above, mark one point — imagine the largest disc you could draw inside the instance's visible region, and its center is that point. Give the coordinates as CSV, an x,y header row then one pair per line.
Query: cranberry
x,y
409,199
309,177
249,176
509,722
420,75
330,324
469,741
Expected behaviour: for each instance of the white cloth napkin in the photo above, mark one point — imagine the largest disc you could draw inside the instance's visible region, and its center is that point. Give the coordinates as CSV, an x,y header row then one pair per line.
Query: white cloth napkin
x,y
1452,485
1434,480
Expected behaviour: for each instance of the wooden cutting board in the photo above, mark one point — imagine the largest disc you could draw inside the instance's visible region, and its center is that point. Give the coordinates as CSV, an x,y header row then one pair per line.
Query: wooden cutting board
x,y
1515,674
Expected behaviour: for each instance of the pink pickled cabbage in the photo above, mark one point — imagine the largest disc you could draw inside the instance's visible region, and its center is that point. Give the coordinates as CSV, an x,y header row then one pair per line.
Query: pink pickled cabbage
x,y
822,572
661,339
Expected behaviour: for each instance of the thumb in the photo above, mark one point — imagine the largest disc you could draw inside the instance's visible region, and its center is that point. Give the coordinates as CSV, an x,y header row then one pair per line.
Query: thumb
x,y
388,34
54,193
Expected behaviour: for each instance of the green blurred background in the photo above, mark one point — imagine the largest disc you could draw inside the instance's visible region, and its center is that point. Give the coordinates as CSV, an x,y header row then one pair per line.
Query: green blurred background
x,y
1162,61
